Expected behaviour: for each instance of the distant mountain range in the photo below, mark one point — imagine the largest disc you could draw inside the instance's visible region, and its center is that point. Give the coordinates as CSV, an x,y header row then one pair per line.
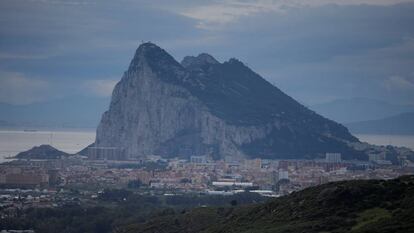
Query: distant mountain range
x,y
359,109
75,112
399,124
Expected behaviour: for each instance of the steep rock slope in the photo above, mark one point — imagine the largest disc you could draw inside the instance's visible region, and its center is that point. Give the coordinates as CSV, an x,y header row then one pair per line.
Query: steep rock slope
x,y
203,107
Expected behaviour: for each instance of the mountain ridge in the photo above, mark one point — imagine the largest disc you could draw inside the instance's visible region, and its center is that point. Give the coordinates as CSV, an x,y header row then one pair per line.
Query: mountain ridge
x,y
219,109
401,124
359,109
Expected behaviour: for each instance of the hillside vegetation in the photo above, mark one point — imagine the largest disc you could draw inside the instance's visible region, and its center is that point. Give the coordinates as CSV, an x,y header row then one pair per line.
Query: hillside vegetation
x,y
375,206
350,206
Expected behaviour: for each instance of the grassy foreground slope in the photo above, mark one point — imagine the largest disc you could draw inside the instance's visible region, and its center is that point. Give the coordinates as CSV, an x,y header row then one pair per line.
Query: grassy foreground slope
x,y
350,206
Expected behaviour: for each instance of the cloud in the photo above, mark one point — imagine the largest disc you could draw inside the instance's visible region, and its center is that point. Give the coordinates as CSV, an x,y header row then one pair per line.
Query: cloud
x,y
100,87
65,2
220,13
399,83
312,49
81,39
17,89
319,53
23,56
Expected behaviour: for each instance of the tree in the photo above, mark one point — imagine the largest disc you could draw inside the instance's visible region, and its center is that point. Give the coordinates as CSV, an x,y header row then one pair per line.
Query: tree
x,y
233,203
134,184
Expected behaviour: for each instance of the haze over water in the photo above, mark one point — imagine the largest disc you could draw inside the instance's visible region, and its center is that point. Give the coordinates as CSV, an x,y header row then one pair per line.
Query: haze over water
x,y
381,139
13,142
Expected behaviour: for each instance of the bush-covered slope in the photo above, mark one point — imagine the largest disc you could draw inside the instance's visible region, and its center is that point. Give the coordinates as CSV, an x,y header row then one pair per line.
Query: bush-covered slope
x,y
113,209
350,206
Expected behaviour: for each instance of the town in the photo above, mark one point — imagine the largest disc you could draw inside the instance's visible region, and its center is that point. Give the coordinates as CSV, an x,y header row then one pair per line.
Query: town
x,y
78,179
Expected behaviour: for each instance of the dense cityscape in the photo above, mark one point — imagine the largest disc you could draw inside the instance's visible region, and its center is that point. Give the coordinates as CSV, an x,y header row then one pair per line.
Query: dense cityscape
x,y
41,183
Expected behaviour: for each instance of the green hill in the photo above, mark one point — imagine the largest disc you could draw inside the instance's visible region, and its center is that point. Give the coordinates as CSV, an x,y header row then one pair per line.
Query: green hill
x,y
375,206
350,206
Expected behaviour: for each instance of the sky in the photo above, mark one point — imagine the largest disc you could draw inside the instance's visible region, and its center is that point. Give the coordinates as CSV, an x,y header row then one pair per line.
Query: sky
x,y
314,50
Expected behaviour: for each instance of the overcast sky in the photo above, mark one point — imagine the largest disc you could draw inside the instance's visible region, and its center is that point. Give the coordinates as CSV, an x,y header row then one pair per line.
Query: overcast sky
x,y
314,50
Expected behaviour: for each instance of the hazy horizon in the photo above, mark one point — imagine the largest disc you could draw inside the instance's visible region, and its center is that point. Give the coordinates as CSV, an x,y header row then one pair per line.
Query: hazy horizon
x,y
71,141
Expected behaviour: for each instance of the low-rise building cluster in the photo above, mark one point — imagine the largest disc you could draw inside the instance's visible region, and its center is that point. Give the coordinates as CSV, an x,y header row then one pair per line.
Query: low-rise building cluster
x,y
50,183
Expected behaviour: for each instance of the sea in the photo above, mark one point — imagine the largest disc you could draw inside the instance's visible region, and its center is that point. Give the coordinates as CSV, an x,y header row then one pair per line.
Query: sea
x,y
13,142
383,139
71,141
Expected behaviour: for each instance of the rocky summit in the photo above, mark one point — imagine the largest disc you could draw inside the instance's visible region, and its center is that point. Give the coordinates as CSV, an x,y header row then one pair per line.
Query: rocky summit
x,y
203,107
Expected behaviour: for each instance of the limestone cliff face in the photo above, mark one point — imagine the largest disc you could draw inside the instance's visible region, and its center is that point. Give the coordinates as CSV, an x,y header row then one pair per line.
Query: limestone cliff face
x,y
203,107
